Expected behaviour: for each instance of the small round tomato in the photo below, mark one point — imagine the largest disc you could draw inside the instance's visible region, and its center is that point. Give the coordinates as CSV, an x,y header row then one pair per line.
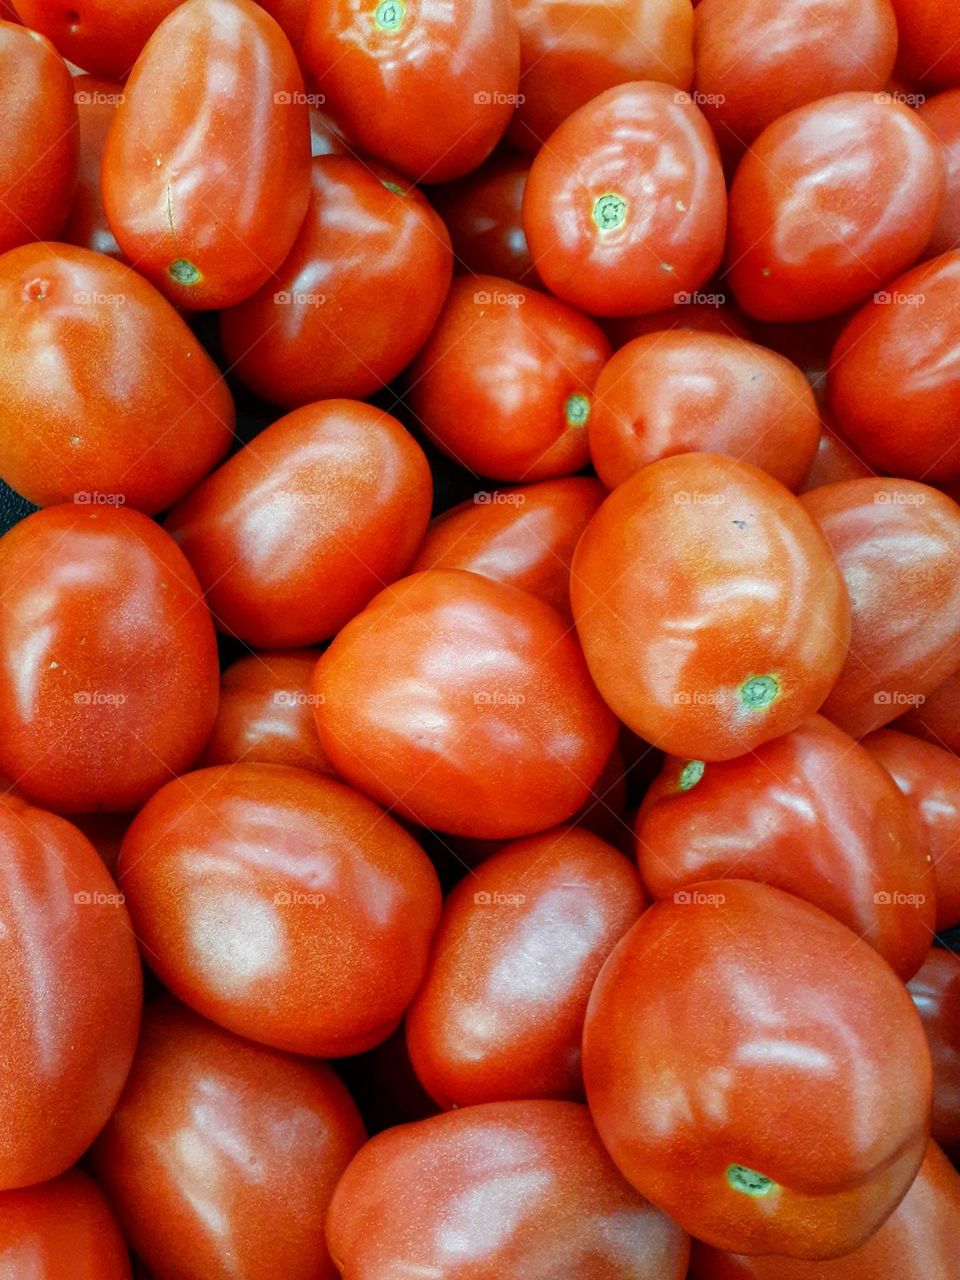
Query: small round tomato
x,y
294,534
504,383
765,1109
100,36
929,51
61,1228
702,313
629,226
937,718
835,461
830,203
87,226
936,993
483,213
942,115
418,1199
222,1155
465,705
711,613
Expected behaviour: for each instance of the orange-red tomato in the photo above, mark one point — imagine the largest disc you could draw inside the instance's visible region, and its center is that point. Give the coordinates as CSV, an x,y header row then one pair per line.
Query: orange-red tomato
x,y
937,718
100,36
87,226
483,213
929,51
942,115
936,993
61,1228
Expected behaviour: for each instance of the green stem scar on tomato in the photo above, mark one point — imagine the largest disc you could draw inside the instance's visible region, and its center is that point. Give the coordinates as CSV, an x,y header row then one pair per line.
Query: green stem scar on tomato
x,y
184,272
578,410
690,774
759,691
610,212
390,14
749,1181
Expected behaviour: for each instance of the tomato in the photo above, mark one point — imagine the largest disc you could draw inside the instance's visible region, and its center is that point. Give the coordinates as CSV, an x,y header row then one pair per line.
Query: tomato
x,y
292,17
105,394
942,115
222,1155
503,385
703,313
425,86
282,905
482,212
682,392
806,343
38,161
108,659
936,993
765,1109
835,461
929,52
937,718
87,226
711,613
506,1189
633,225
465,705
213,127
356,298
897,544
298,531
70,1005
524,537
61,1228
521,940
98,35
324,138
830,203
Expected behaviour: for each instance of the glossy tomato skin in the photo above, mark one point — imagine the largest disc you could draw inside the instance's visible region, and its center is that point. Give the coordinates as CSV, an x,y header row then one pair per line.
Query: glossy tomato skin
x,y
108,659
409,1200
464,705
929,52
39,120
832,201
626,228
897,544
105,394
710,610
282,905
87,226
222,1155
717,998
942,115
698,315
70,1008
937,718
483,213
355,299
101,37
427,87
64,1227
521,940
681,392
936,993
214,117
504,384
294,534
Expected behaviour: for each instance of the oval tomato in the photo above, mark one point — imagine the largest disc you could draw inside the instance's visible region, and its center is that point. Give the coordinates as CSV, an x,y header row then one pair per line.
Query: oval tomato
x,y
61,1228
936,993
483,213
942,115
87,226
98,35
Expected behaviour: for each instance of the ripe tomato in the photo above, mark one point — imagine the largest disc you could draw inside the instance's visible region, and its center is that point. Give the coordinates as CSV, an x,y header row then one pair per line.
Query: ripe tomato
x,y
830,203
936,993
629,226
356,298
942,115
87,226
699,315
213,127
294,534
937,718
711,613
61,1228
98,35
417,1199
504,383
105,394
929,52
482,212
765,1109
70,1006
222,1155
464,705
108,659
292,17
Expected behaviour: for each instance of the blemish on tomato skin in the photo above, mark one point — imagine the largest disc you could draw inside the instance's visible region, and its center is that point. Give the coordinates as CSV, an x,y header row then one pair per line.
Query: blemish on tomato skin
x,y
36,290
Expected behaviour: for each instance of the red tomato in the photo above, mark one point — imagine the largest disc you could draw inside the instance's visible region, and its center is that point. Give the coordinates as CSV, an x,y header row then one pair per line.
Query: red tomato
x,y
937,718
704,313
100,36
942,115
711,613
108,659
292,17
936,993
282,905
70,1006
835,461
87,226
298,531
222,1155
806,343
521,1189
38,160
635,224
206,174
425,86
929,52
7,13
898,545
464,705
830,203
482,212
105,394
504,383
766,1109
810,813
61,1228
681,392
355,300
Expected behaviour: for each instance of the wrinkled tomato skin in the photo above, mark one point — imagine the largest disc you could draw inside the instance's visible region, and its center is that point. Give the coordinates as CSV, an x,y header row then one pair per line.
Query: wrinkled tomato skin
x,y
61,1228
105,394
765,602
355,299
217,80
936,993
897,544
483,213
87,226
297,532
942,115
70,1006
222,1155
717,997
100,36
463,705
929,51
657,181
281,905
690,317
937,718
408,1202
108,659
832,201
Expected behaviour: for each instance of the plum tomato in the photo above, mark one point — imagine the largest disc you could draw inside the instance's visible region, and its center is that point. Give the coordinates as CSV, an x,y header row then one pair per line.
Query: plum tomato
x,y
101,36
942,115
87,226
936,993
61,1228
937,718
483,213
929,50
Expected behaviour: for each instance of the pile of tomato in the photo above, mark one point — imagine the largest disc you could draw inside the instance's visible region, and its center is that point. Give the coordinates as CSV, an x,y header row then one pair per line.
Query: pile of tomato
x,y
480,640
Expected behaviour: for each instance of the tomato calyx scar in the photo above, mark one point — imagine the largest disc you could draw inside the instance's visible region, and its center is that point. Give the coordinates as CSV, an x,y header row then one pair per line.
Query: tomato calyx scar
x,y
577,409
690,774
748,1181
389,14
184,272
610,211
759,691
